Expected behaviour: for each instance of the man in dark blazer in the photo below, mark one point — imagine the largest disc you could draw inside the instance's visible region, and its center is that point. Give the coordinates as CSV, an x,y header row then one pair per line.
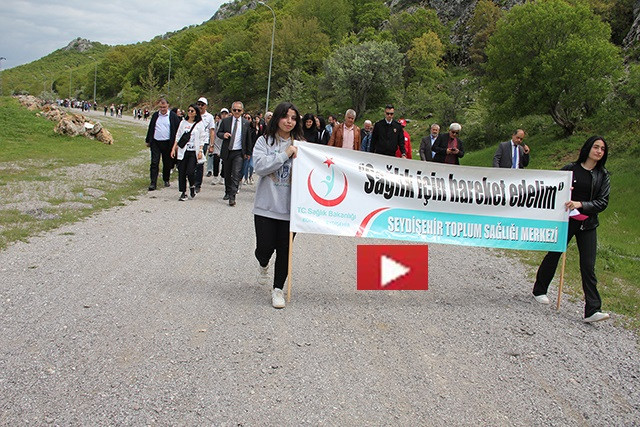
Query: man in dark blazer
x,y
448,146
504,154
236,145
160,138
388,135
426,154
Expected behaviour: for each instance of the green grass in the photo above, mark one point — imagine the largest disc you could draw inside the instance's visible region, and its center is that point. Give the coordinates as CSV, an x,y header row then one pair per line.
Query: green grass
x,y
31,154
618,261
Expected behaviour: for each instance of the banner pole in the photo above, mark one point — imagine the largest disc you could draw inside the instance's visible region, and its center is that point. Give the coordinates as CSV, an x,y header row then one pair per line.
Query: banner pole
x,y
564,262
289,267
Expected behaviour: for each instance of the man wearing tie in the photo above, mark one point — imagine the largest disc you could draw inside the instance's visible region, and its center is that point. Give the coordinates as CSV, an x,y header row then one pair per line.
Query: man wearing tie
x,y
236,143
512,154
427,142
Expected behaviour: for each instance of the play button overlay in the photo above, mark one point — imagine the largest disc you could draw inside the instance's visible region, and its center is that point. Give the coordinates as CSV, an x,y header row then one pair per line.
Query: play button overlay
x,y
393,267
390,270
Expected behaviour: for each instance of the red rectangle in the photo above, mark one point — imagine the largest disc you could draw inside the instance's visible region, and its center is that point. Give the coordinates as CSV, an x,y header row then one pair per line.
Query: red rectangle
x,y
393,267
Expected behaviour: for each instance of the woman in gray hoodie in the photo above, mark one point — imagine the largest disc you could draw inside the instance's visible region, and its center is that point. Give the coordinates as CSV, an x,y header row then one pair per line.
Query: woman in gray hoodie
x,y
272,160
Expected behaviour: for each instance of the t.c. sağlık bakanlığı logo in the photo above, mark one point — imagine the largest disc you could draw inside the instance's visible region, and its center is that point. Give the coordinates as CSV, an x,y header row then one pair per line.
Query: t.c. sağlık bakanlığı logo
x,y
330,183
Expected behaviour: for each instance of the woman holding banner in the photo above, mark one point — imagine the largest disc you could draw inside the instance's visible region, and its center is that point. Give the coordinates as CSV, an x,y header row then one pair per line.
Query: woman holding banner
x,y
272,160
589,196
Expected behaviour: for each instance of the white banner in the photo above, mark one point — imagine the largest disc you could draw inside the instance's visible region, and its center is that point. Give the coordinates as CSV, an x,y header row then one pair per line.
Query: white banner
x,y
352,193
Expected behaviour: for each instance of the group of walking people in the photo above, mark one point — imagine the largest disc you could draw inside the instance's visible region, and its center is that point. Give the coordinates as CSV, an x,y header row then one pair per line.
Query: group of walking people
x,y
269,147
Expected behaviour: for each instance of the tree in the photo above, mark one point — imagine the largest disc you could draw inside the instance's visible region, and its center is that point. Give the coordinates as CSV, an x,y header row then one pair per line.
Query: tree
x,y
183,90
150,85
357,70
482,25
425,56
334,16
405,26
552,58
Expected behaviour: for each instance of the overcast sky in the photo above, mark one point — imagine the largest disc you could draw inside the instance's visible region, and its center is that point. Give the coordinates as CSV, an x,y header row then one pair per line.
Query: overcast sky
x,y
32,29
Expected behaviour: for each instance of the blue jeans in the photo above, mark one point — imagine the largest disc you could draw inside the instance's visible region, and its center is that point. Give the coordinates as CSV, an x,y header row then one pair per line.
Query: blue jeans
x,y
247,168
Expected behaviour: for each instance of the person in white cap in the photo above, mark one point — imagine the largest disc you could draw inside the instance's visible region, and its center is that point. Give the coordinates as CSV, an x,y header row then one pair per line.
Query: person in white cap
x,y
207,120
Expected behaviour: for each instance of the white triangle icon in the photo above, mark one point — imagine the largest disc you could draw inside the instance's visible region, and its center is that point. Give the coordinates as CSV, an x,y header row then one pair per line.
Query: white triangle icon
x,y
390,270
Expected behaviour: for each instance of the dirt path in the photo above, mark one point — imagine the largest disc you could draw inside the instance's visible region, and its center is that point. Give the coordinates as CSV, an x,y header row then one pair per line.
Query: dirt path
x,y
149,314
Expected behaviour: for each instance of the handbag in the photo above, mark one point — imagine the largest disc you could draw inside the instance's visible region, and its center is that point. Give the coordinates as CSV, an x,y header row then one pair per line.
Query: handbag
x,y
184,139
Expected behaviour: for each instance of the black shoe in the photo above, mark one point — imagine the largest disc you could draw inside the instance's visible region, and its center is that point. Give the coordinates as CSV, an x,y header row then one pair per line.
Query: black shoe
x,y
226,197
209,173
232,202
197,189
167,184
152,187
192,192
183,197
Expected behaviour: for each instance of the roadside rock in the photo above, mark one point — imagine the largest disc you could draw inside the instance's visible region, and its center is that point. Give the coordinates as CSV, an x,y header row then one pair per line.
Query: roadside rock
x,y
72,124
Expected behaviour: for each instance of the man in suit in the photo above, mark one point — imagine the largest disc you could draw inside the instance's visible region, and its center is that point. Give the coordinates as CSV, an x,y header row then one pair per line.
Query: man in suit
x,y
236,144
387,135
160,138
426,154
512,154
448,146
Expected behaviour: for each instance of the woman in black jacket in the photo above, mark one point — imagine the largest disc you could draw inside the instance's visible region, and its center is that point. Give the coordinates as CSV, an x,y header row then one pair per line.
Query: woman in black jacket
x,y
309,128
589,196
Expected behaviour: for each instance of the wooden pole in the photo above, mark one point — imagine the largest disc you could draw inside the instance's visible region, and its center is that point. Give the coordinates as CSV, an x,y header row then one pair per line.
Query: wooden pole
x,y
289,267
564,262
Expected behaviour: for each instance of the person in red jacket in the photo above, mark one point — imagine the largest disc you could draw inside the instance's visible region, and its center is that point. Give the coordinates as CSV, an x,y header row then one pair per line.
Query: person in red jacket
x,y
407,140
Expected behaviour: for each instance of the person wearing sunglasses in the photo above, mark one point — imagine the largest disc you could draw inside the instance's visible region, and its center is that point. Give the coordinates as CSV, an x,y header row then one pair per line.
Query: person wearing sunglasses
x,y
236,146
387,135
448,146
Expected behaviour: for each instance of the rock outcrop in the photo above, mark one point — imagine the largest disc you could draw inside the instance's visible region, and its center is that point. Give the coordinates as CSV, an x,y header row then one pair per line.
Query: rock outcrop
x,y
79,44
72,124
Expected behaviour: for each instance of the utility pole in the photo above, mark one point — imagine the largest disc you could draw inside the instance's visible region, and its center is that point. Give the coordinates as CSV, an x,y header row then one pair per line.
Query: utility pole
x,y
169,79
95,78
2,58
273,35
69,82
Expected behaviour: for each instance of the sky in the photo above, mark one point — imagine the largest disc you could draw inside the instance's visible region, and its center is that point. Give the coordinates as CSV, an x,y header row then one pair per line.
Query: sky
x,y
32,29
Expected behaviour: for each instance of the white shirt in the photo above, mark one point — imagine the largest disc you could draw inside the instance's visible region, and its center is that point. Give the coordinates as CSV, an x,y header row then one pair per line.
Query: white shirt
x,y
433,139
237,142
207,119
162,131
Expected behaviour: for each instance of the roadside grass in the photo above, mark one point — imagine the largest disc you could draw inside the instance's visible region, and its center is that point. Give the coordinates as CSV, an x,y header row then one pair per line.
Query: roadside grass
x,y
618,260
33,159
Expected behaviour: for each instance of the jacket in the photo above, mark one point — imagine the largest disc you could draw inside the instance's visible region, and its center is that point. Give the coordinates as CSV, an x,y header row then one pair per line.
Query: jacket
x,y
174,122
503,157
337,136
440,148
600,188
226,125
387,138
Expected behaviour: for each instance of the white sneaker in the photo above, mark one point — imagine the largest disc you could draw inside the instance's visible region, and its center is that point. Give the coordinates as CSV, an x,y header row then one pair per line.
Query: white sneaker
x,y
277,298
214,181
595,317
542,299
221,180
263,275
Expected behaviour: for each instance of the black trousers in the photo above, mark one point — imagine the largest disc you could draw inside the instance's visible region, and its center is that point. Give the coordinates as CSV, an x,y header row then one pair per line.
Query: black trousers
x,y
273,235
160,149
216,165
232,173
187,169
587,246
200,167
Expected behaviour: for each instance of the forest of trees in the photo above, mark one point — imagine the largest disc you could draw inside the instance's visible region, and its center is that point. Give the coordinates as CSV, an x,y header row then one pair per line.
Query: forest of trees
x,y
543,61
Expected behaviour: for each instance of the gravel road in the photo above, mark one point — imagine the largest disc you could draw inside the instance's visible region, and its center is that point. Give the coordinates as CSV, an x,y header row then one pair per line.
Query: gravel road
x,y
149,314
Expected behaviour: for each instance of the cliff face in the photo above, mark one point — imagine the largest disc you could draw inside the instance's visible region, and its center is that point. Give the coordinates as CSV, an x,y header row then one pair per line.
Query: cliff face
x,y
634,34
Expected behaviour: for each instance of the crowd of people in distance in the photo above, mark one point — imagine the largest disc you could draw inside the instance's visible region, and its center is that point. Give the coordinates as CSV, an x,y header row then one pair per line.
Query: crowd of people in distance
x,y
233,145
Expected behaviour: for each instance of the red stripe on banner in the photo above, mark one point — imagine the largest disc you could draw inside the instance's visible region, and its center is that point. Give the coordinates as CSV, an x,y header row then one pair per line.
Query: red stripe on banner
x,y
366,220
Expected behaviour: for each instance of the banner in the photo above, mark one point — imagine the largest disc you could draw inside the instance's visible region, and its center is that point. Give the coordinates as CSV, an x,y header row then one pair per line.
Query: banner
x,y
352,193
